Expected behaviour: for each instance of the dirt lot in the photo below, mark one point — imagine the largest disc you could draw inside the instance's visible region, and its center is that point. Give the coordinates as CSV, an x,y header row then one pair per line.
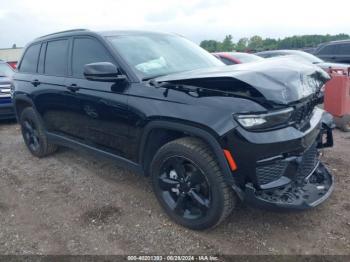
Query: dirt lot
x,y
72,203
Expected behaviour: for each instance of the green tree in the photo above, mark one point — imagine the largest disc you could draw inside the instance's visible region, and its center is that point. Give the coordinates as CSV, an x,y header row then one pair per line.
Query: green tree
x,y
270,44
256,43
242,44
227,44
210,45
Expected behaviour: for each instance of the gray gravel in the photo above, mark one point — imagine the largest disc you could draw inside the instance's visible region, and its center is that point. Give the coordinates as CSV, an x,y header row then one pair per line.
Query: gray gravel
x,y
73,203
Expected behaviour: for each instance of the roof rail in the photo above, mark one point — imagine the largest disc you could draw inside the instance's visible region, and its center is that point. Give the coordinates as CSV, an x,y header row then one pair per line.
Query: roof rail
x,y
66,31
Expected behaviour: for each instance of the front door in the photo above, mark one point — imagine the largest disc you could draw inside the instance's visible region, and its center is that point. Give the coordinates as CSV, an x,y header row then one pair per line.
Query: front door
x,y
103,109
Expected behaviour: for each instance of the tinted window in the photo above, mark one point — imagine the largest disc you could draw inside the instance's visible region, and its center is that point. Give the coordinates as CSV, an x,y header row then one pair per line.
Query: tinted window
x,y
56,58
85,51
30,59
327,50
227,61
268,55
41,59
344,49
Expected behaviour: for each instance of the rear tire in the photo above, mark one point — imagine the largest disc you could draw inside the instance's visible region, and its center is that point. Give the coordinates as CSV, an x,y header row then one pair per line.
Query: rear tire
x,y
34,135
206,200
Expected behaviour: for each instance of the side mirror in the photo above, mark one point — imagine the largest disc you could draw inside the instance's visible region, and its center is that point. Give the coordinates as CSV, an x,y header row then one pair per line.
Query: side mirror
x,y
103,71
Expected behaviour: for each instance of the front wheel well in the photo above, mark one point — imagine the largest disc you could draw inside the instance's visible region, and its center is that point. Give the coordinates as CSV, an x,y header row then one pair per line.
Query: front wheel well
x,y
20,105
155,140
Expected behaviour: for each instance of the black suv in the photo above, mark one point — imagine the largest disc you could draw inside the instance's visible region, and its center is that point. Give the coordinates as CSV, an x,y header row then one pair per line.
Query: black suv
x,y
206,133
335,51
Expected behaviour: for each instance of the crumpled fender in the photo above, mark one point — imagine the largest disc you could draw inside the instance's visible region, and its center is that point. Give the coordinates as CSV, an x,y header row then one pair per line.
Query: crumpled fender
x,y
281,80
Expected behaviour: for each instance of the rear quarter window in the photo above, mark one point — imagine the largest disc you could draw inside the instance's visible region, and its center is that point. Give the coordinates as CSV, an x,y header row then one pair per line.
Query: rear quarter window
x,y
30,59
56,58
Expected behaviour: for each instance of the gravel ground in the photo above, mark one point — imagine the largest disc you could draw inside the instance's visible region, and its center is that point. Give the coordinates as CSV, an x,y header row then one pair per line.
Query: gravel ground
x,y
73,203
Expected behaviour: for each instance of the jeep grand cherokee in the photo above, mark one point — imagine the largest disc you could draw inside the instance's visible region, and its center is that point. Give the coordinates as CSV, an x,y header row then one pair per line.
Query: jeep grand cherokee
x,y
206,134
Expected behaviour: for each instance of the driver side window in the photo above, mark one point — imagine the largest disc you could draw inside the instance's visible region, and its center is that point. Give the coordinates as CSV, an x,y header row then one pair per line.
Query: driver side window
x,y
85,51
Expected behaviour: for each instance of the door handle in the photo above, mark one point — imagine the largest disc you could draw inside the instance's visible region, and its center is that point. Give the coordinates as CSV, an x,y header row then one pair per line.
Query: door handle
x,y
35,82
73,87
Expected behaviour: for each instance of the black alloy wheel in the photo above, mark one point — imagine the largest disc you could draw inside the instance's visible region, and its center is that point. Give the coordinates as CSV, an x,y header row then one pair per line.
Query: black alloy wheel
x,y
189,184
184,188
34,134
31,135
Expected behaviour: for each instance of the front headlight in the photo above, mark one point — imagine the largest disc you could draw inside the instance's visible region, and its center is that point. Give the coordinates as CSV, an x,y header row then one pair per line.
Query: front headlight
x,y
264,120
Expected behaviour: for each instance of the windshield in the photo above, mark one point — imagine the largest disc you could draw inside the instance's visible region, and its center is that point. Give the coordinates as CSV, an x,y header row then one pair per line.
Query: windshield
x,y
6,70
246,58
153,55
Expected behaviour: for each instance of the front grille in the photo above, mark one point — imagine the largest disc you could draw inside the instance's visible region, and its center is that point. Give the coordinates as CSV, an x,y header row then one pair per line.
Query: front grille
x,y
302,112
268,173
308,162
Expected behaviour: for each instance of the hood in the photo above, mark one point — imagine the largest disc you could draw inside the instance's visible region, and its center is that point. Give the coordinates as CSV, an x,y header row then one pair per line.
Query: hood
x,y
281,80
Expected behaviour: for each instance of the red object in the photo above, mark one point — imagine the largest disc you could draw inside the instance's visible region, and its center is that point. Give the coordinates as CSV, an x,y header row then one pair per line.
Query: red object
x,y
13,64
228,57
337,93
230,160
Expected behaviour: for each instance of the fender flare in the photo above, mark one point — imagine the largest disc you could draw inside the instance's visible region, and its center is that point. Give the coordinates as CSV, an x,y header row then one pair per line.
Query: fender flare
x,y
197,132
24,98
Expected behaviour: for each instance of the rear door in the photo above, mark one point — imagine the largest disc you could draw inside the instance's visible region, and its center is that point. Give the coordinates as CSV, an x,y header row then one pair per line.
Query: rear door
x,y
328,52
24,79
343,55
52,99
103,109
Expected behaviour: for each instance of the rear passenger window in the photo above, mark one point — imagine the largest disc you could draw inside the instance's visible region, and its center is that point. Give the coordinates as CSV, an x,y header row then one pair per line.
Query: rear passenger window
x,y
56,58
328,50
30,59
344,49
85,51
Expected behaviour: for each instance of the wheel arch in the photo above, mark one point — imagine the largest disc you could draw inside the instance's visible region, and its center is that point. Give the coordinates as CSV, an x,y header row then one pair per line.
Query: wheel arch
x,y
178,130
20,103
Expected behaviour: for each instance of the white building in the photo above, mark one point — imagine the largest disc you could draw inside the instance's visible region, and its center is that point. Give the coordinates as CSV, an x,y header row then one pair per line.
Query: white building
x,y
11,54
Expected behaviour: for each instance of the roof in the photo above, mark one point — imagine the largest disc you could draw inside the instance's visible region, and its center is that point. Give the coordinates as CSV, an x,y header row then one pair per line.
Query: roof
x,y
101,33
62,33
280,51
339,41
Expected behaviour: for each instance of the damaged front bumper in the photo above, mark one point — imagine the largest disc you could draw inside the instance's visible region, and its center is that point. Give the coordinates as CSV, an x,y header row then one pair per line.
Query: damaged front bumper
x,y
298,195
288,173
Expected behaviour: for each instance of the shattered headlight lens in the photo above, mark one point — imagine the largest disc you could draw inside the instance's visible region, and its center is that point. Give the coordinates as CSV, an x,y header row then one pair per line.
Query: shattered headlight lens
x,y
264,120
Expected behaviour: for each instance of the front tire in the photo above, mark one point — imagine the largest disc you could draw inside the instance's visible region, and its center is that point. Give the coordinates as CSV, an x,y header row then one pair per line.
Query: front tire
x,y
189,184
34,135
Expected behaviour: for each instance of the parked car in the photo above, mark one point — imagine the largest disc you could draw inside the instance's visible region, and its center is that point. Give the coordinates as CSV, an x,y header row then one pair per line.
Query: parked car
x,y
6,106
303,56
232,58
335,51
206,134
13,64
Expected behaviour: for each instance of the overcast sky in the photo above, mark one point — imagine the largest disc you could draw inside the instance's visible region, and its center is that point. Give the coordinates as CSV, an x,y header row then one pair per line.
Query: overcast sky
x,y
21,21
